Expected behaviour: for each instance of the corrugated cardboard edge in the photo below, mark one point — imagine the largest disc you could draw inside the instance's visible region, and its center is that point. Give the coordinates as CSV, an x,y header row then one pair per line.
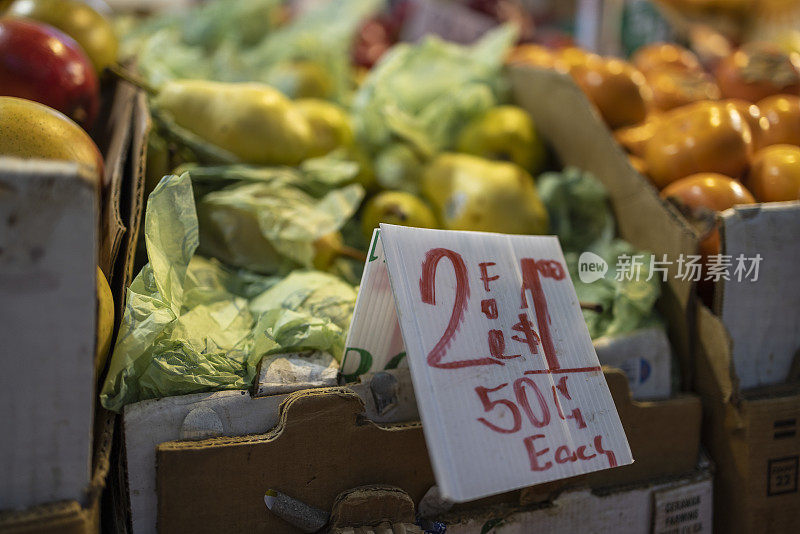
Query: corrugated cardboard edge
x,y
739,435
70,517
118,132
568,121
133,200
193,474
142,124
495,516
292,413
129,192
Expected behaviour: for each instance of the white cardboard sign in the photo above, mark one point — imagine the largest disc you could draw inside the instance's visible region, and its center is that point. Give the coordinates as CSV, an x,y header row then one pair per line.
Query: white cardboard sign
x,y
508,385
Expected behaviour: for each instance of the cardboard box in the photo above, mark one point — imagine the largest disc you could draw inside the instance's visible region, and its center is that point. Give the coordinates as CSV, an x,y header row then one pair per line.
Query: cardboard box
x,y
751,435
664,437
753,438
748,373
760,302
670,427
683,504
61,230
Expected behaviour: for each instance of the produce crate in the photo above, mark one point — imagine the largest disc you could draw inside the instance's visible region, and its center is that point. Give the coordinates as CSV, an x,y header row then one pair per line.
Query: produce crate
x,y
749,390
664,434
677,504
76,516
217,453
753,434
56,232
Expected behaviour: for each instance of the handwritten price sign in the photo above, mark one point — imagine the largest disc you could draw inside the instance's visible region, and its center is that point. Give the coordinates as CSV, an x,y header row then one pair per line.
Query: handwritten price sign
x,y
507,382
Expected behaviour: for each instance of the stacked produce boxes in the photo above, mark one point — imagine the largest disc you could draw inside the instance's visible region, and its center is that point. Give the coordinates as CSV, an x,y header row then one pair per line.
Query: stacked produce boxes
x,y
234,233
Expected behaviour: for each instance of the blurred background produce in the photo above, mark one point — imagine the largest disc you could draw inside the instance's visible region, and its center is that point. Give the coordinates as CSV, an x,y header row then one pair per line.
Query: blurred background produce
x,y
302,130
299,127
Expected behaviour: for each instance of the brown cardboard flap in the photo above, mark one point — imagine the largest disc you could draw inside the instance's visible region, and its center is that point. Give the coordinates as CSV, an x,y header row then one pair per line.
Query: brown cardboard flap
x,y
135,197
567,120
756,446
754,439
117,135
714,374
768,453
321,447
664,437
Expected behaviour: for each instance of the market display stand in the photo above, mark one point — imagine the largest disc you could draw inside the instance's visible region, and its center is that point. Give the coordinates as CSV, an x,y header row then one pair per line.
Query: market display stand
x,y
751,410
55,464
752,430
325,443
169,479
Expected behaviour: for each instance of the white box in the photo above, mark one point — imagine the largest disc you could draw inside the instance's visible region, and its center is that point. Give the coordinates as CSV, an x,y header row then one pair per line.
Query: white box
x,y
762,316
678,506
48,258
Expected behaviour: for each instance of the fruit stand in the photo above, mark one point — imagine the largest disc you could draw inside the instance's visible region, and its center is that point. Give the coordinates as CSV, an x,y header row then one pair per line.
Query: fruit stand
x,y
224,221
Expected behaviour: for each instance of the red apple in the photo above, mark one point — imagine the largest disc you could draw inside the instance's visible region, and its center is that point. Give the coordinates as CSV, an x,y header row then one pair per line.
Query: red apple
x,y
40,63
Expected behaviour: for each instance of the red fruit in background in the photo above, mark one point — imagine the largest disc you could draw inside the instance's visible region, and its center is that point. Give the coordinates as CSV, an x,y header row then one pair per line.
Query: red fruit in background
x,y
40,63
378,34
373,40
758,70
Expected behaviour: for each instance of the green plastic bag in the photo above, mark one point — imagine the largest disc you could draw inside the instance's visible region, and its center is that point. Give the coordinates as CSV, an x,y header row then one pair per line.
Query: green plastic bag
x,y
424,93
192,324
580,215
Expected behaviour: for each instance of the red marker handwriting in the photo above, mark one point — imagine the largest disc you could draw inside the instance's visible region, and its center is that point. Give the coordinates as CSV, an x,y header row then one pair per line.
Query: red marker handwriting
x,y
427,283
532,282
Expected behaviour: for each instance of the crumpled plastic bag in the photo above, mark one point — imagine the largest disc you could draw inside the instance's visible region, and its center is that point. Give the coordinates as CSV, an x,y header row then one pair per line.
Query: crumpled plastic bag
x,y
191,324
243,40
268,219
577,204
322,36
304,310
581,216
424,93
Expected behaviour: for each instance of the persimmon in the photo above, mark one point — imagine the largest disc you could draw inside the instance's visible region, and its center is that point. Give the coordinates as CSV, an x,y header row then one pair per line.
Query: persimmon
x,y
565,59
701,137
782,115
751,113
634,138
658,57
533,55
675,88
638,164
775,175
702,195
758,70
619,91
